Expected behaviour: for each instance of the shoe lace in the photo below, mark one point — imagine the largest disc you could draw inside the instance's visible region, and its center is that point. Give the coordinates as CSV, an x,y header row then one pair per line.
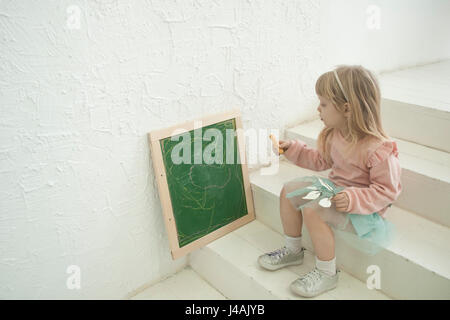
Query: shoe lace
x,y
311,277
279,253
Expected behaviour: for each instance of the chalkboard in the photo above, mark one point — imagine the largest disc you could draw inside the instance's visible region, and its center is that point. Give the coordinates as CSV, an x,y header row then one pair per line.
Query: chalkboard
x,y
202,180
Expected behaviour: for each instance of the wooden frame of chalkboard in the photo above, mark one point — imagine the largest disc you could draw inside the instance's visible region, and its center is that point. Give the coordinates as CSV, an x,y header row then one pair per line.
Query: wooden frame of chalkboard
x,y
245,212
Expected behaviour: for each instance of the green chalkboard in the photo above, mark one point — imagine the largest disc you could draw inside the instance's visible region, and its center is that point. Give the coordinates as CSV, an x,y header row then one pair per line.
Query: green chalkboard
x,y
204,196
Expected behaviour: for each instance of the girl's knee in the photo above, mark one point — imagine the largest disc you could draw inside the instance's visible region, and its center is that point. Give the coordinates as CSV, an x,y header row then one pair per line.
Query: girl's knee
x,y
308,212
283,194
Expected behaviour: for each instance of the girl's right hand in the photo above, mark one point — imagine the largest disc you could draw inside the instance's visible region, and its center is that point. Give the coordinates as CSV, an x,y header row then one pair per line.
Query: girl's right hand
x,y
283,144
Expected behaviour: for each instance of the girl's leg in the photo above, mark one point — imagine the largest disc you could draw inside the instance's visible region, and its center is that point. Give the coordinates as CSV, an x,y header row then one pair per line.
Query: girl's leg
x,y
292,253
291,218
321,235
325,275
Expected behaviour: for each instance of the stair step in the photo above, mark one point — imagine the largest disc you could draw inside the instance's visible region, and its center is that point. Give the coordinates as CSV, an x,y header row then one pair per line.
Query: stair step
x,y
425,173
183,285
415,266
425,85
230,265
420,99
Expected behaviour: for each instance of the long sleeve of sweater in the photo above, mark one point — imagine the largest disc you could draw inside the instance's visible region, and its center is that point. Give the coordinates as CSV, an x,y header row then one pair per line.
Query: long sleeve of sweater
x,y
305,157
385,184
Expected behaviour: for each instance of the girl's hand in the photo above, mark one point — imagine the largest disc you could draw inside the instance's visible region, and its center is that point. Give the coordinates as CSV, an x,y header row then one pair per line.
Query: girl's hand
x,y
285,144
341,201
279,147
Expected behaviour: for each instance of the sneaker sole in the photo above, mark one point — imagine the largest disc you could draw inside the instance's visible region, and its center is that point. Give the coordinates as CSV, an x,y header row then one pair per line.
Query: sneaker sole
x,y
311,295
272,267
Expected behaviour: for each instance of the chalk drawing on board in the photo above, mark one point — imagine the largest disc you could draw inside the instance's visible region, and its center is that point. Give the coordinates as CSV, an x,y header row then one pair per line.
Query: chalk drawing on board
x,y
202,201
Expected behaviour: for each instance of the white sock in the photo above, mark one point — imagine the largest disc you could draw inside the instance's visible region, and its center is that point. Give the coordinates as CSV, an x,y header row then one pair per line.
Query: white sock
x,y
328,267
293,244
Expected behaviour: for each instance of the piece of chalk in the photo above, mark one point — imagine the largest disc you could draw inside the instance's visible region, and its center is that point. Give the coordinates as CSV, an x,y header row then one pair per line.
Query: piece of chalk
x,y
275,144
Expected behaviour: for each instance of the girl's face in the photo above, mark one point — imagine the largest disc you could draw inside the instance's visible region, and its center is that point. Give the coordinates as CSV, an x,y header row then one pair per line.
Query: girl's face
x,y
330,116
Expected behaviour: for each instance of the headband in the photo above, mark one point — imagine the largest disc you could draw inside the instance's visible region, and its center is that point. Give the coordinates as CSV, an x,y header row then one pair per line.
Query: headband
x,y
340,85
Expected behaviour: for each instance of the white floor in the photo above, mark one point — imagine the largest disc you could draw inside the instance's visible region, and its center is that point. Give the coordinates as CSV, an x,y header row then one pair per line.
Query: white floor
x,y
184,285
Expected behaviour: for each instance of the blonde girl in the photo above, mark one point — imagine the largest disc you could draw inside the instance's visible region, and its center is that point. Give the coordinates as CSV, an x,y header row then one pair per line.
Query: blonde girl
x,y
363,182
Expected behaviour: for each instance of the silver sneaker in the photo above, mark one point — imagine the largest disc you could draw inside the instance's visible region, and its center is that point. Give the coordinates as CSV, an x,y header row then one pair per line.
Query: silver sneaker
x,y
314,283
280,258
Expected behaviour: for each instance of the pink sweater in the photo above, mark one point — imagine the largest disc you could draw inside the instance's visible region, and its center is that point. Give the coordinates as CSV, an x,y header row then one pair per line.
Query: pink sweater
x,y
371,175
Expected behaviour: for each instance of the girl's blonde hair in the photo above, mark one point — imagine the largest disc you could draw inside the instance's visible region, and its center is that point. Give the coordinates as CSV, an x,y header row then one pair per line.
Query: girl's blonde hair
x,y
361,88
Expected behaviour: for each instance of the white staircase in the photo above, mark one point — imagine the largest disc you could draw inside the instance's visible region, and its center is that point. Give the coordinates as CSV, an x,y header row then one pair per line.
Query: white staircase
x,y
227,269
229,264
415,110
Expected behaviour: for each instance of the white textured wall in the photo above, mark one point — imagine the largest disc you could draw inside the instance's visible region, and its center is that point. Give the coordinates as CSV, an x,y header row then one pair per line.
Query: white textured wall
x,y
76,178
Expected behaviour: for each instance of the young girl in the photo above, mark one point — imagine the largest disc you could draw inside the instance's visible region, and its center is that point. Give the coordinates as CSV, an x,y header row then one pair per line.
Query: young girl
x,y
363,182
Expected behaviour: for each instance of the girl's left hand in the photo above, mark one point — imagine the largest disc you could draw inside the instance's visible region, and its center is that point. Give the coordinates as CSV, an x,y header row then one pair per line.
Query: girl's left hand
x,y
341,201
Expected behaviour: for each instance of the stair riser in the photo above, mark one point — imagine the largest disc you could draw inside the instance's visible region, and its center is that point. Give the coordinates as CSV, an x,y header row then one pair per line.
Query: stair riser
x,y
400,278
426,126
416,188
425,197
232,282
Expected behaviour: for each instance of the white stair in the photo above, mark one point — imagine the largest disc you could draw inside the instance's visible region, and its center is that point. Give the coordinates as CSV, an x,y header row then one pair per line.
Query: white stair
x,y
415,104
227,269
415,266
230,265
425,174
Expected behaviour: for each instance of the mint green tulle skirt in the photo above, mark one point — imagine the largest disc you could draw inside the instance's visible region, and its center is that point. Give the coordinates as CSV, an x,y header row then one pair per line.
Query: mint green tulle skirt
x,y
368,233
